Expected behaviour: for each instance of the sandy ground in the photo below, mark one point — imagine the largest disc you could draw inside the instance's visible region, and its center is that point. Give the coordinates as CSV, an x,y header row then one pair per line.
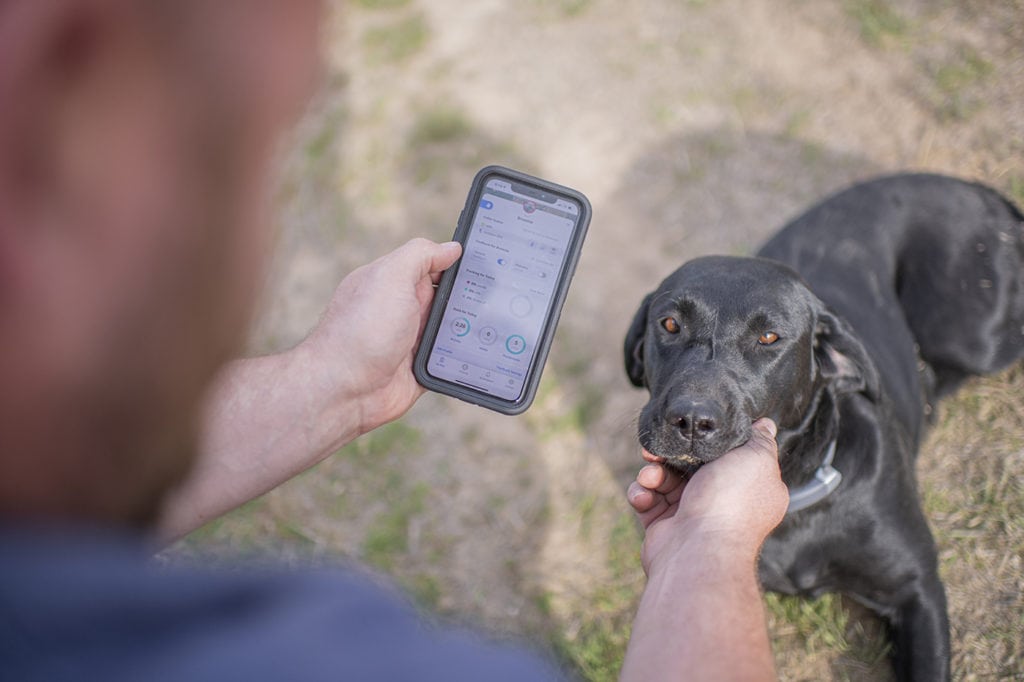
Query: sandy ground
x,y
694,127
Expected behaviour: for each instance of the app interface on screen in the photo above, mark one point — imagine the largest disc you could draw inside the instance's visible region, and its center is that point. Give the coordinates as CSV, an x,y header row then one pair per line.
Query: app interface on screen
x,y
506,280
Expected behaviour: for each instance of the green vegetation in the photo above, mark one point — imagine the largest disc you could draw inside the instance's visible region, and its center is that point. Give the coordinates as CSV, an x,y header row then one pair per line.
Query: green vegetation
x,y
238,530
443,143
819,623
968,68
565,8
439,125
1015,190
389,536
382,4
396,41
425,590
322,140
371,448
972,477
598,646
573,8
877,21
956,79
583,409
825,624
377,458
385,498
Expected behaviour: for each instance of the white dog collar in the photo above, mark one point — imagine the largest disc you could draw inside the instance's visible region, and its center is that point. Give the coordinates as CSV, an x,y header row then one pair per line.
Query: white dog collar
x,y
826,479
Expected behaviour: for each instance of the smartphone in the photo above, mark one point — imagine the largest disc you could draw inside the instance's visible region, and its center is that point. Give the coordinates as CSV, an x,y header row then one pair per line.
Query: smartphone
x,y
495,311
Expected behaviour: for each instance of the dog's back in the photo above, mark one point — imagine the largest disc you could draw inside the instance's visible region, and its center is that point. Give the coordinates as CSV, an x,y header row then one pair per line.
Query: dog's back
x,y
940,262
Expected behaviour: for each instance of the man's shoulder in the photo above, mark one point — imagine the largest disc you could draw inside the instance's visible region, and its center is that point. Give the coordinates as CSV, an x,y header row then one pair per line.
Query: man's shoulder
x,y
82,605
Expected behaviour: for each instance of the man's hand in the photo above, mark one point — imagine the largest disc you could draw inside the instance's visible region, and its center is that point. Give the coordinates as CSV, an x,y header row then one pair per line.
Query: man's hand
x,y
365,343
272,417
702,539
738,498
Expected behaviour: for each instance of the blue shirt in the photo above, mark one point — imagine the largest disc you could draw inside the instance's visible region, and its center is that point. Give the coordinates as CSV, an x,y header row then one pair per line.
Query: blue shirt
x,y
87,605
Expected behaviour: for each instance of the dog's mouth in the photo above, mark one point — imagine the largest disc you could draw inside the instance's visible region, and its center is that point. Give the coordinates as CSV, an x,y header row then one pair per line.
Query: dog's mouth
x,y
685,427
675,461
685,463
685,456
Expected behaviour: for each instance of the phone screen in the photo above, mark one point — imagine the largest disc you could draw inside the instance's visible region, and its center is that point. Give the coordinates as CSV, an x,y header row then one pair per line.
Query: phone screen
x,y
511,264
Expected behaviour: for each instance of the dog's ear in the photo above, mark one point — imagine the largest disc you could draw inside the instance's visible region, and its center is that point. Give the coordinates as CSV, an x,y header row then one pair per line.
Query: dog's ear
x,y
841,358
634,346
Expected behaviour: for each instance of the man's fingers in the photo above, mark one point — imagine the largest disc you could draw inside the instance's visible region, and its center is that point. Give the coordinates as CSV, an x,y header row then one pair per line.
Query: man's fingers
x,y
640,498
648,505
445,256
762,438
435,258
423,258
657,477
655,493
657,490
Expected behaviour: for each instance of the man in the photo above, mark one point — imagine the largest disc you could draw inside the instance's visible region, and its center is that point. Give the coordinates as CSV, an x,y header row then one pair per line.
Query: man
x,y
135,140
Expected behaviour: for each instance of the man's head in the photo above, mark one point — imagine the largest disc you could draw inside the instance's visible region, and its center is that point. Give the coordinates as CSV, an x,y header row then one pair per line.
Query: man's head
x,y
135,141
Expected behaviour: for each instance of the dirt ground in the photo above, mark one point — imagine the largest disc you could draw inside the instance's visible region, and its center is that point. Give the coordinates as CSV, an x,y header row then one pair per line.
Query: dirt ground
x,y
695,127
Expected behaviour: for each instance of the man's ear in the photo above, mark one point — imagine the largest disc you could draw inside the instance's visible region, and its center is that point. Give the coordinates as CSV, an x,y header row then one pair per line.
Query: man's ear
x,y
633,349
841,358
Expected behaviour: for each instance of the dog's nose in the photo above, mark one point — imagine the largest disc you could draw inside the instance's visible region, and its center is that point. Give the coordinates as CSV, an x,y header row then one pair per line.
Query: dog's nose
x,y
697,419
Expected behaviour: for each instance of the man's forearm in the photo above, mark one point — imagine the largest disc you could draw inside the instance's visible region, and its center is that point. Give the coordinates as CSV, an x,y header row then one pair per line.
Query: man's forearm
x,y
267,419
701,617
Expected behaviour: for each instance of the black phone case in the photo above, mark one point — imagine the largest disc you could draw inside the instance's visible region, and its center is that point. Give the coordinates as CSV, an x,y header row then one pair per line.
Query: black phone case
x,y
444,291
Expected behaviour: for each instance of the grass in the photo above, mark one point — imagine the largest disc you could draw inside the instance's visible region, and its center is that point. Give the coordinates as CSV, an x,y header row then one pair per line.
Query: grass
x,y
239,529
396,41
816,624
977,511
570,367
571,8
877,21
583,408
826,626
320,142
956,80
597,643
371,448
972,473
977,524
386,543
587,623
967,68
566,8
1015,190
382,4
439,125
443,143
388,538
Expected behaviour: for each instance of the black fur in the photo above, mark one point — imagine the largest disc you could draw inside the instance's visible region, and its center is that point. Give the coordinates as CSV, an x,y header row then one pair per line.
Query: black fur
x,y
884,297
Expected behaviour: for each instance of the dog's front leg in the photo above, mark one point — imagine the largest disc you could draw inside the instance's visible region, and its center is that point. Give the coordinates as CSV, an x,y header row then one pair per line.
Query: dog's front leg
x,y
920,633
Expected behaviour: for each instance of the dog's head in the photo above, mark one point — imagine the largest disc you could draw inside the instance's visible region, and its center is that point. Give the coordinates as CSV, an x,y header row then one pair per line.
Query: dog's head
x,y
724,341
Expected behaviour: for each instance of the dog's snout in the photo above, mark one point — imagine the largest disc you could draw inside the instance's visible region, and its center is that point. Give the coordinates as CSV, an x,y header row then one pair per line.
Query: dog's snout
x,y
697,419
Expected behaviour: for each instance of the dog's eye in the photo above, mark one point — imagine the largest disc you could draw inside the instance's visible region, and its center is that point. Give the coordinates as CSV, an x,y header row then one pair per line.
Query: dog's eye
x,y
767,338
670,325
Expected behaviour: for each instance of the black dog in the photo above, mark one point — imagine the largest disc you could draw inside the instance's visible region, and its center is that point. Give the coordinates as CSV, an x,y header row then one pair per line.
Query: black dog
x,y
852,321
